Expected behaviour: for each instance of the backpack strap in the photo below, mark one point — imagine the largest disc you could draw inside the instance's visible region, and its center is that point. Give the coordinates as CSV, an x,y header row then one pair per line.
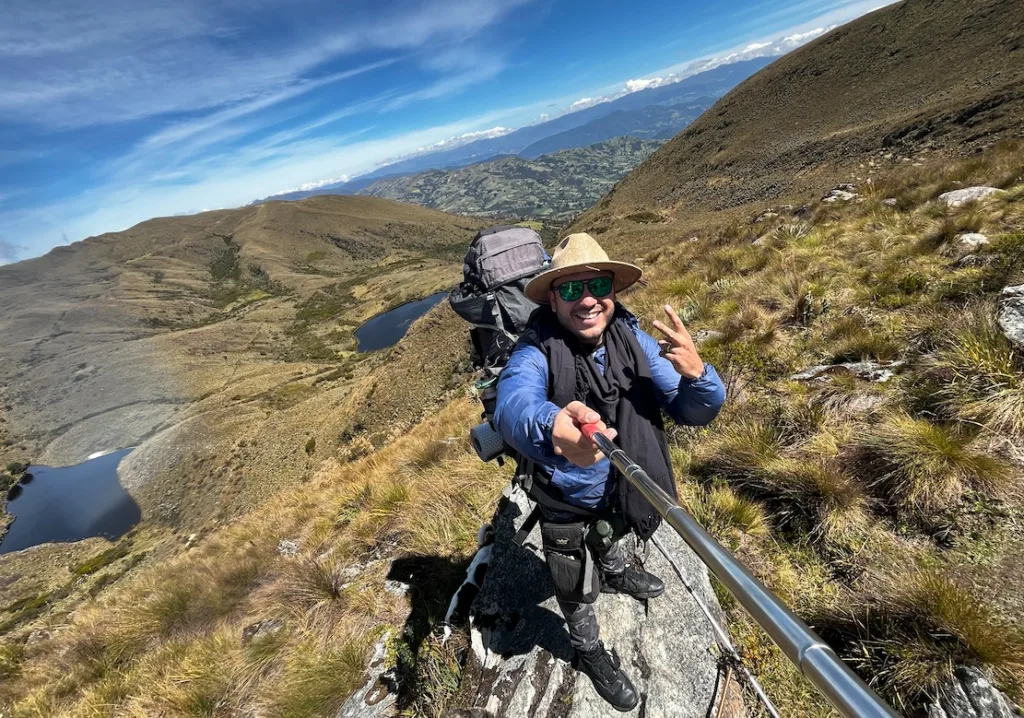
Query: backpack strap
x,y
537,486
524,531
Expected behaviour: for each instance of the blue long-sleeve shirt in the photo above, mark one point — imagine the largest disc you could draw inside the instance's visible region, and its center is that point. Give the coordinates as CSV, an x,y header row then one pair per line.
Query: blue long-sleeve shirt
x,y
524,415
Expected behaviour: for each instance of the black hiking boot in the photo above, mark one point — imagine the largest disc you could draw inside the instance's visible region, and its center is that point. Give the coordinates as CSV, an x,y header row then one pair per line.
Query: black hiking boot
x,y
638,584
609,681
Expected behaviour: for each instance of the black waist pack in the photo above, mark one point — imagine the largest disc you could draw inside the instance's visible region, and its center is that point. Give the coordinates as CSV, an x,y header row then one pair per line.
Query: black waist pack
x,y
570,562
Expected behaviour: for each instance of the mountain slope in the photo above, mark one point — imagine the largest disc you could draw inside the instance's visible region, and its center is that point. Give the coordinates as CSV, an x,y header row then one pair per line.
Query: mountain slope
x,y
654,121
702,87
555,186
919,74
179,335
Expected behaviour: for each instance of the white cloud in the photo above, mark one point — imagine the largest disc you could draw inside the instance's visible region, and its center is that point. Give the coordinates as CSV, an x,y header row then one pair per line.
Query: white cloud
x,y
751,51
637,85
314,185
459,140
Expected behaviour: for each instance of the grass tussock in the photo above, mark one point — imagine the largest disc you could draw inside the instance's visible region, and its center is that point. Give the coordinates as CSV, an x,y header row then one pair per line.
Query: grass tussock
x,y
923,466
985,383
921,623
821,484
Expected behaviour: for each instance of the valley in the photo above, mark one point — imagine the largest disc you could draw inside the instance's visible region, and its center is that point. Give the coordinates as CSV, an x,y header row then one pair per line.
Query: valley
x,y
308,510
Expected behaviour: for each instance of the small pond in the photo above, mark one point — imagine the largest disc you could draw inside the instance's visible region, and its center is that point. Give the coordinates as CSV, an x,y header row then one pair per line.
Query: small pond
x,y
70,504
386,329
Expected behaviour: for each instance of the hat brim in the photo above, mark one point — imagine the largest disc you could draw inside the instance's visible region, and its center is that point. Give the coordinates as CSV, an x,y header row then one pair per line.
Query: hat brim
x,y
626,275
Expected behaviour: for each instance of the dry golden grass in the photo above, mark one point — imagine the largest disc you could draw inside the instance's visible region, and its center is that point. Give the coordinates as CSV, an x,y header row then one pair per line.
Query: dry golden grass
x,y
820,484
811,483
170,644
926,466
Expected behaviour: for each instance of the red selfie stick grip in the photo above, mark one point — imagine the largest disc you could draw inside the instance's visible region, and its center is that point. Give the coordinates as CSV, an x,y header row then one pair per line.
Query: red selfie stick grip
x,y
588,430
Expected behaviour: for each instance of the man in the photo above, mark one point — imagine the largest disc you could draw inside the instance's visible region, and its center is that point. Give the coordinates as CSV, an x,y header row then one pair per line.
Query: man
x,y
584,359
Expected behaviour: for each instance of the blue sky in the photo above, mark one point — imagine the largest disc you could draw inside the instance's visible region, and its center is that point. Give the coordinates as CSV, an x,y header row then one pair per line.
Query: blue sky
x,y
113,112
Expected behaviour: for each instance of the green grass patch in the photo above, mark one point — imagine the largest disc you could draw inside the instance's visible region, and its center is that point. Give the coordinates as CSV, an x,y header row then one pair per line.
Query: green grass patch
x,y
103,559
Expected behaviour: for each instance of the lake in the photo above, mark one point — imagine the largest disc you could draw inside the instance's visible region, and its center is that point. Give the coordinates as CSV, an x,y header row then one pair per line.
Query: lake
x,y
70,503
386,329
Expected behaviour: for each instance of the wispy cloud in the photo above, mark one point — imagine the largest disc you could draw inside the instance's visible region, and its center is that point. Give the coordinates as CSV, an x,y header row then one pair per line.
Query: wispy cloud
x,y
72,71
769,48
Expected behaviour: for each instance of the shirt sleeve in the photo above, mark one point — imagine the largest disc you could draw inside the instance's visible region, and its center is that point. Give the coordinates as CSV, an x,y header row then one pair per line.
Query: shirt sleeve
x,y
522,414
694,402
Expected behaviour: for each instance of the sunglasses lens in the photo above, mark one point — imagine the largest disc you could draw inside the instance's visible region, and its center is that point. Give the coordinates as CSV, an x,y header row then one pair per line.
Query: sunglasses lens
x,y
570,291
600,286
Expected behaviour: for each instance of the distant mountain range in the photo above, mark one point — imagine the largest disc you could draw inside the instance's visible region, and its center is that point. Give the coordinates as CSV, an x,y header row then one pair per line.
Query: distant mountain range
x,y
556,186
655,112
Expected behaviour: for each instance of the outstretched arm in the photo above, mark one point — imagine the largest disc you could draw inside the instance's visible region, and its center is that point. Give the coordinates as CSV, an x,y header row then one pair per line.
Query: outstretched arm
x,y
536,427
523,415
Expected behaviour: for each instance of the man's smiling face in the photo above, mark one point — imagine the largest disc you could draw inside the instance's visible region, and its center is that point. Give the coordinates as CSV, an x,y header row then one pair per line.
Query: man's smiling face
x,y
588,316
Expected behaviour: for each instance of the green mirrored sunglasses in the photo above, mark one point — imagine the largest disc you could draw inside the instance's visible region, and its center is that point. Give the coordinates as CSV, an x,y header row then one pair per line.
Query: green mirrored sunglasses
x,y
572,290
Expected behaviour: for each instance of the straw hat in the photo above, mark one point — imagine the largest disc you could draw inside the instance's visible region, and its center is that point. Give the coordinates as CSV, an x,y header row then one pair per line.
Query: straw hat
x,y
580,253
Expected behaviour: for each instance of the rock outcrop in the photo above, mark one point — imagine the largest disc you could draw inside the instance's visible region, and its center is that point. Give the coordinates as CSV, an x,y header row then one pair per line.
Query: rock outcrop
x,y
519,663
376,697
972,240
867,370
959,197
842,193
1011,315
970,694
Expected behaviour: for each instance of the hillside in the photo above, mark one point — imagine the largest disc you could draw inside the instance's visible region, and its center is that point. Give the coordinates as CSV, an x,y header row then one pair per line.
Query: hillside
x,y
868,466
553,187
907,80
220,343
882,500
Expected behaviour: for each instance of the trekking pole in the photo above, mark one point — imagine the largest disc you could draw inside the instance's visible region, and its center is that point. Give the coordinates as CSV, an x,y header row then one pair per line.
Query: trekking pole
x,y
802,646
723,638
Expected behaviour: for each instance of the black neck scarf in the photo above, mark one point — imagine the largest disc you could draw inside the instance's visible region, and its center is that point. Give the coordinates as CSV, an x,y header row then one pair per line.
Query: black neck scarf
x,y
624,395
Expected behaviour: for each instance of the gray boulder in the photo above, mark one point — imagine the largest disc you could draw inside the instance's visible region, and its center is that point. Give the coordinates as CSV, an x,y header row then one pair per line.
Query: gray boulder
x,y
972,240
1011,315
519,663
703,335
839,195
970,694
959,197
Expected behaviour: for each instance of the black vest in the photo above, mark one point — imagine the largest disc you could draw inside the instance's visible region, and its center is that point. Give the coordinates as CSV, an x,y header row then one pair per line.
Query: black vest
x,y
625,397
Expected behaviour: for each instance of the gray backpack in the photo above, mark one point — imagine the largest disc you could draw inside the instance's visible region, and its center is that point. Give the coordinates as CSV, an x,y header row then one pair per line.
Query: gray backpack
x,y
499,263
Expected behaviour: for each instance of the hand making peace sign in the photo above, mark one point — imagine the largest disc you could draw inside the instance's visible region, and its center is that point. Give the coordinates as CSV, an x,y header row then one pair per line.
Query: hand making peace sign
x,y
679,348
